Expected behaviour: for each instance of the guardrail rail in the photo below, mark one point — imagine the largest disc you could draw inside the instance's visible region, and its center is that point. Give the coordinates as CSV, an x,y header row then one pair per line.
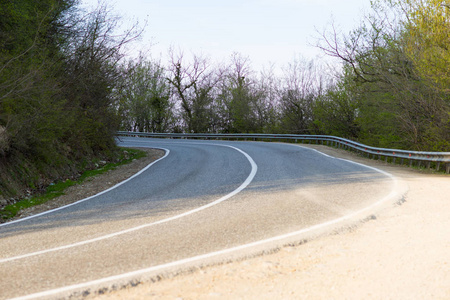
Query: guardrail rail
x,y
437,160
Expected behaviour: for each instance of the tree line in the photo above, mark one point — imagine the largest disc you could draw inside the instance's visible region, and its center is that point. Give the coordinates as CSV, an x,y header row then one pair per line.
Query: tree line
x,y
194,95
392,90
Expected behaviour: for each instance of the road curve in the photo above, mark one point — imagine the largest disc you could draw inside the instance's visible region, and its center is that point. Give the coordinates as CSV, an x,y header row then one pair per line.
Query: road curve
x,y
204,197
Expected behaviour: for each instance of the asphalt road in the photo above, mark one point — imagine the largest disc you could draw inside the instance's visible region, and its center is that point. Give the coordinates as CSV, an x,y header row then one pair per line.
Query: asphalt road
x,y
202,198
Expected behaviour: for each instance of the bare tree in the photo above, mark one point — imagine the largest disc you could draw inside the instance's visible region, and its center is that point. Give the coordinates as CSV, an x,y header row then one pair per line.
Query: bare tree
x,y
238,96
268,100
193,85
302,83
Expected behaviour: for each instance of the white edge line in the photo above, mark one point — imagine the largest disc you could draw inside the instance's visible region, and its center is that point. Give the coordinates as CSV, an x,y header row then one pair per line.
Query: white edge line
x,y
96,195
353,162
248,180
391,195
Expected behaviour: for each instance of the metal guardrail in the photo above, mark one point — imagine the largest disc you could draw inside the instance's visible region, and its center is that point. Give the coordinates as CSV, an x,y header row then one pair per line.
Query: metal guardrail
x,y
427,158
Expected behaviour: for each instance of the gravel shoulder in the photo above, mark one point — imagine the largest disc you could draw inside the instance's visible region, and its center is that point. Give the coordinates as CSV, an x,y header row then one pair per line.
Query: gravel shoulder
x,y
403,253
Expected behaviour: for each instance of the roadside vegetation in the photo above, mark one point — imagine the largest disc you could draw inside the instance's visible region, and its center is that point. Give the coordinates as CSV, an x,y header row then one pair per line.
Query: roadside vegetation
x,y
58,70
58,188
66,87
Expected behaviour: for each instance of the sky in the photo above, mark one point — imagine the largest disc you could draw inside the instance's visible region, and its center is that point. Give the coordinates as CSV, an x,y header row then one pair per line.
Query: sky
x,y
266,31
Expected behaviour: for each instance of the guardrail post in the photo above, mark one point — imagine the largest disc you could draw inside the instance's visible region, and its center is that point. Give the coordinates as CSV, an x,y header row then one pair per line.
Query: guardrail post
x,y
447,168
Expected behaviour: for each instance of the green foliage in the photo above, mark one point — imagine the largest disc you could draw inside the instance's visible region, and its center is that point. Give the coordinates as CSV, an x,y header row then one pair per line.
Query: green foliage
x,y
398,105
57,73
296,116
337,112
427,39
144,100
243,116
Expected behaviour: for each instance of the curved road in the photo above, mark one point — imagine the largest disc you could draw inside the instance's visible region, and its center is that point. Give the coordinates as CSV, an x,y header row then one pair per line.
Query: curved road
x,y
202,198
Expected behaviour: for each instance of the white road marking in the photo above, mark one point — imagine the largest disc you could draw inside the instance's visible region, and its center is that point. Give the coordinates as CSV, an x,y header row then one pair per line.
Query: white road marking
x,y
132,275
96,195
249,179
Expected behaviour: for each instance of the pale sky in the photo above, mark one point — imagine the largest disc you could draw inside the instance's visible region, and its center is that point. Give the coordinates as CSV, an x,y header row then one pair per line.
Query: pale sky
x,y
267,31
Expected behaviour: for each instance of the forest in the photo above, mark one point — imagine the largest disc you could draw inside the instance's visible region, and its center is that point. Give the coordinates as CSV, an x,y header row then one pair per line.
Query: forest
x,y
67,85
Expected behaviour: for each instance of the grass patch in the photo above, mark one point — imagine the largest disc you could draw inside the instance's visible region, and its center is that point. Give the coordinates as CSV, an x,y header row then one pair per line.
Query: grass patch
x,y
126,156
